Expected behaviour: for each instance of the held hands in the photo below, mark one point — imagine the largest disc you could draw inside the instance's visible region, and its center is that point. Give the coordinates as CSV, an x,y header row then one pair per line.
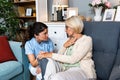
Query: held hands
x,y
70,42
44,55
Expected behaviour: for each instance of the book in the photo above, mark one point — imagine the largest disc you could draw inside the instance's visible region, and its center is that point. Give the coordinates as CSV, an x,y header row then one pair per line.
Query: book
x,y
21,11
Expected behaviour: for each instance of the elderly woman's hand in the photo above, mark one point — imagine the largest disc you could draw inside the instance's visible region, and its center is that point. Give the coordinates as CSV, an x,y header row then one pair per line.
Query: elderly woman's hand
x,y
70,42
44,55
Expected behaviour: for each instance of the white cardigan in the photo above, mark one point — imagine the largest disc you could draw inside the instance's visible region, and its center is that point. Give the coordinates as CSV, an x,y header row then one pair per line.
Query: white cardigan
x,y
82,52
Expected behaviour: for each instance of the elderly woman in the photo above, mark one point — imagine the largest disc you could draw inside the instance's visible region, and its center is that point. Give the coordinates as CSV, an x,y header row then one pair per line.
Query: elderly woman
x,y
75,56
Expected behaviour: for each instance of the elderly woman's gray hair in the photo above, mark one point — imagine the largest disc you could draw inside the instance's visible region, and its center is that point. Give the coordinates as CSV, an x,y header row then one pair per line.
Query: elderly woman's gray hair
x,y
75,23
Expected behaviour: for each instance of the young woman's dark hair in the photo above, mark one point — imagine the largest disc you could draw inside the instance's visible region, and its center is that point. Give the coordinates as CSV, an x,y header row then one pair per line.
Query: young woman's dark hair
x,y
36,28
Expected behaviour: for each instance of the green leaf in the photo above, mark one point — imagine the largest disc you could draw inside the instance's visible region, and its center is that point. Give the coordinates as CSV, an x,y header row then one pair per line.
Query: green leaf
x,y
10,20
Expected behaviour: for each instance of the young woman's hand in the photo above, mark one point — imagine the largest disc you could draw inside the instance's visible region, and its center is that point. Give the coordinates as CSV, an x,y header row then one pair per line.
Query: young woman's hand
x,y
44,55
38,70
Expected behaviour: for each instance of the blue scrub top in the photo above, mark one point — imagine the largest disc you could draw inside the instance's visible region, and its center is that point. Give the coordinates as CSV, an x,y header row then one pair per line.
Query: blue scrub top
x,y
33,47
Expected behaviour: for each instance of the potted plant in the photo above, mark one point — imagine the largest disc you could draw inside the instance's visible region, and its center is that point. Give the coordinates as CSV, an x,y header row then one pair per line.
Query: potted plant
x,y
8,19
99,6
100,3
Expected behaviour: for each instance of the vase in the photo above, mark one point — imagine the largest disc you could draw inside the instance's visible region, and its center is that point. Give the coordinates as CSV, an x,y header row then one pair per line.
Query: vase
x,y
98,16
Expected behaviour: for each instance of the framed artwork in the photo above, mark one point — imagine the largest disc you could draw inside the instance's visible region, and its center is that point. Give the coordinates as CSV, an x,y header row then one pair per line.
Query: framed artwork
x,y
109,15
29,12
72,11
117,17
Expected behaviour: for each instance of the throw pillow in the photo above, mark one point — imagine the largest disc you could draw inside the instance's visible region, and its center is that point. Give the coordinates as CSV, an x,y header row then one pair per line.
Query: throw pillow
x,y
6,53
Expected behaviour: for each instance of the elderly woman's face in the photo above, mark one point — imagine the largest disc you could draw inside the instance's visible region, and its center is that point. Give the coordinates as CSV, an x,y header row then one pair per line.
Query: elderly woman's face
x,y
69,31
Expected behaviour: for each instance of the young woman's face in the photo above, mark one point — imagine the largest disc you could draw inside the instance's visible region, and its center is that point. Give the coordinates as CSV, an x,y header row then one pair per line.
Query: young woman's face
x,y
69,31
42,36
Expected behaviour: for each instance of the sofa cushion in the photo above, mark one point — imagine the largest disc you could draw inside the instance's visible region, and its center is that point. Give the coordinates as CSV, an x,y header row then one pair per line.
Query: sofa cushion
x,y
115,74
6,53
10,69
105,37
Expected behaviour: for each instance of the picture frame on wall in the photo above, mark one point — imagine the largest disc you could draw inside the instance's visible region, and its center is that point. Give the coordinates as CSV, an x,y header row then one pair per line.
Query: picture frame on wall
x,y
72,11
109,15
117,16
28,11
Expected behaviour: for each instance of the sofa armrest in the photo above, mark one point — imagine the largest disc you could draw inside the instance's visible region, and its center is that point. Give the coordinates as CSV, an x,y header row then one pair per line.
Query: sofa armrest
x,y
17,50
19,53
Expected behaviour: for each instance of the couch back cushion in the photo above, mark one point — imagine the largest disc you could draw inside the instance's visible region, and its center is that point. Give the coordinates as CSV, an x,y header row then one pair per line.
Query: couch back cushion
x,y
105,37
6,53
115,74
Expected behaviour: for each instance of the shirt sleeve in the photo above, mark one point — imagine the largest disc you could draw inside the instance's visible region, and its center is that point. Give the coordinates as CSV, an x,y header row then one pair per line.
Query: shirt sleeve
x,y
79,51
28,48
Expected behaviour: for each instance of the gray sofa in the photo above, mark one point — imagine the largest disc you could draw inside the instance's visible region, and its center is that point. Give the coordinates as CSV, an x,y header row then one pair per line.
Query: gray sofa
x,y
106,48
15,70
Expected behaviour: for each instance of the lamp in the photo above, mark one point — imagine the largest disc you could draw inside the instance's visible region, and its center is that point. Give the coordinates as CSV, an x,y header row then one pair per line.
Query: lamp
x,y
59,6
60,3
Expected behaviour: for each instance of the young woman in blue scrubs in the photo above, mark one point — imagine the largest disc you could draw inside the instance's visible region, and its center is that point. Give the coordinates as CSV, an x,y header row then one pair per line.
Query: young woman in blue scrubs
x,y
37,40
